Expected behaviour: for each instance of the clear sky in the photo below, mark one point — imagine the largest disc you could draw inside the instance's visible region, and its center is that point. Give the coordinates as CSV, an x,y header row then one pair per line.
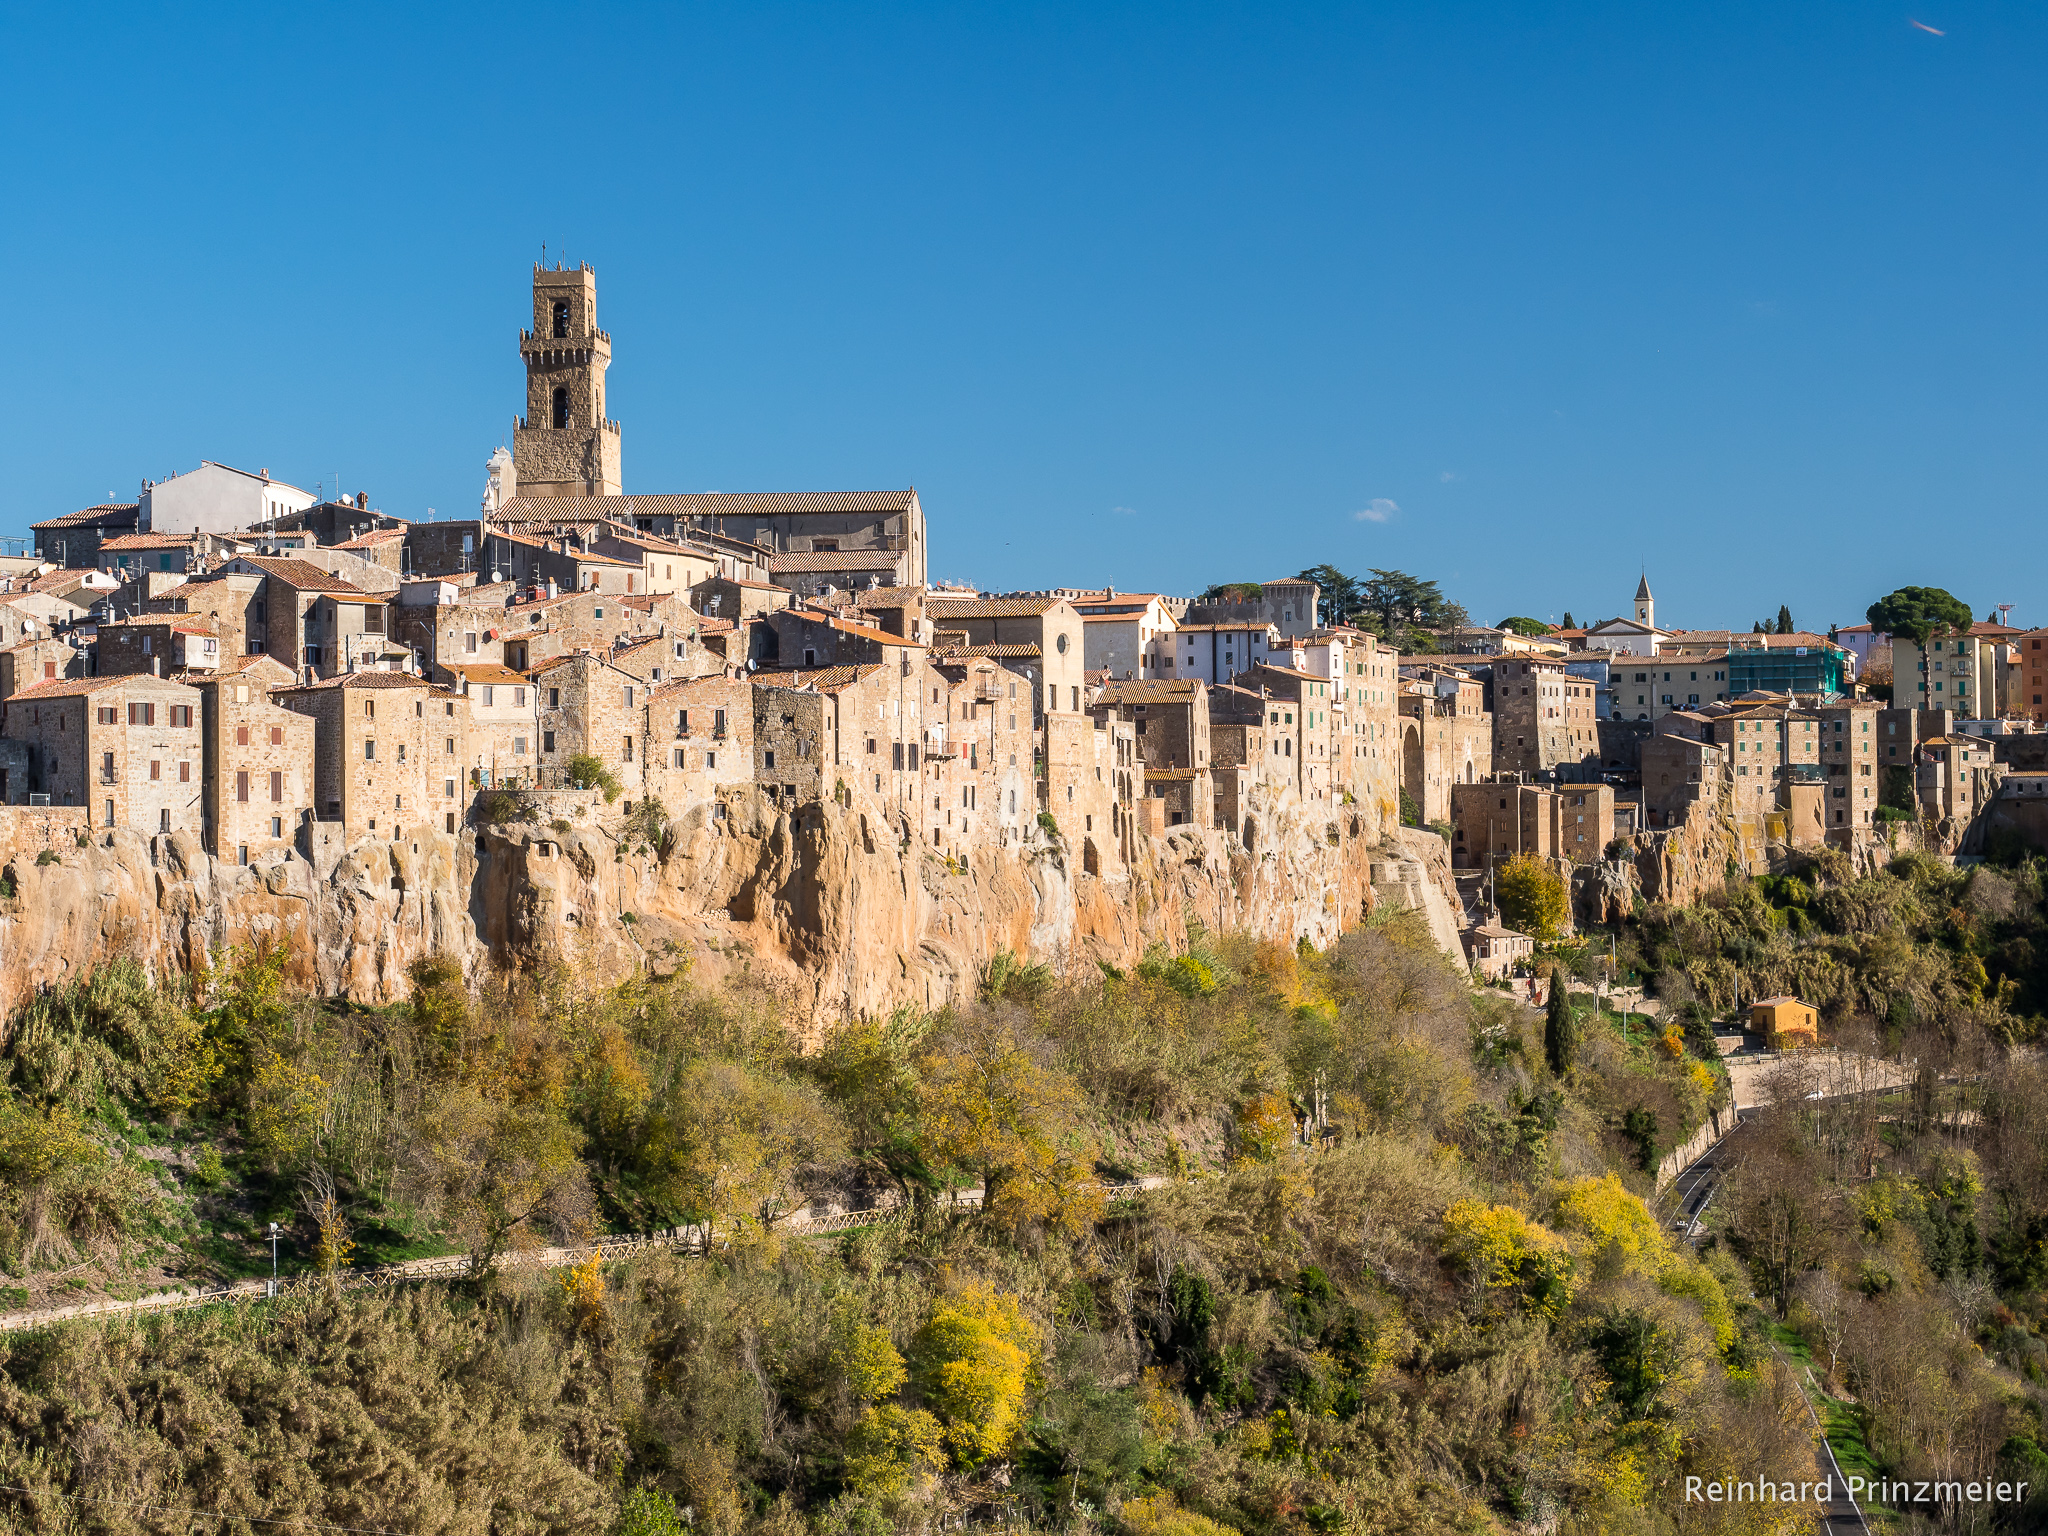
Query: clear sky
x,y
1517,298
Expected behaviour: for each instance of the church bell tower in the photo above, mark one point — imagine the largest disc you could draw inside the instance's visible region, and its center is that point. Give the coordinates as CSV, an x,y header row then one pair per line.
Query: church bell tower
x,y
564,448
1646,605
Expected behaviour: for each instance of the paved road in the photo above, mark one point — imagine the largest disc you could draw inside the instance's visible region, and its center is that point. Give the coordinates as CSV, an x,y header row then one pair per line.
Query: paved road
x,y
1693,1190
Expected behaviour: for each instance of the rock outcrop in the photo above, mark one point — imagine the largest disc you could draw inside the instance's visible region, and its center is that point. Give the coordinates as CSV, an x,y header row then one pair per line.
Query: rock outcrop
x,y
817,900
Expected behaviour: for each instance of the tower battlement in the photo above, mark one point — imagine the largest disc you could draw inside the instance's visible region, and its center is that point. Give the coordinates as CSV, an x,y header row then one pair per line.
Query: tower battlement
x,y
565,446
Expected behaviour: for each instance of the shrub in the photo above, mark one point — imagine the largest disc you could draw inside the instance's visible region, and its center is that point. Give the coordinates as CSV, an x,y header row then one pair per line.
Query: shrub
x,y
587,772
1048,826
499,807
1502,1249
47,857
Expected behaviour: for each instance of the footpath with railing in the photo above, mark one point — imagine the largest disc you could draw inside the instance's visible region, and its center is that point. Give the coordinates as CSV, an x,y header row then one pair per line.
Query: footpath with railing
x,y
694,1241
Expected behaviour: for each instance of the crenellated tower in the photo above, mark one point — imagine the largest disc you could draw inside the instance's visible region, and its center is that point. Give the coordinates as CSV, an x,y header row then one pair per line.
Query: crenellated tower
x,y
564,447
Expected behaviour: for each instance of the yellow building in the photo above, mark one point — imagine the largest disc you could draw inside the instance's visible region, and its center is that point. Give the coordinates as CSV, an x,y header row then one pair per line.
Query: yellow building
x,y
1785,1022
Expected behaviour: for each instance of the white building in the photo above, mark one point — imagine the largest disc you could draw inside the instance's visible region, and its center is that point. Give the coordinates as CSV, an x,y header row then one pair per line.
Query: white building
x,y
1126,634
217,498
1218,652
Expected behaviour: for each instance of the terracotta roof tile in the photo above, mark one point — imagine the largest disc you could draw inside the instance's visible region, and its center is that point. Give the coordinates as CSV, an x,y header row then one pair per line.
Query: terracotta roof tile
x,y
944,608
304,575
106,514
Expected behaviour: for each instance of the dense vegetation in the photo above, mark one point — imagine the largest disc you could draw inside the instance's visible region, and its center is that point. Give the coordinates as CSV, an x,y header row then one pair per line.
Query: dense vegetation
x,y
1399,1275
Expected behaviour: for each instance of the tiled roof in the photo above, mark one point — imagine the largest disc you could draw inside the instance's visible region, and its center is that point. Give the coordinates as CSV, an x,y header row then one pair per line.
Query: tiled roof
x,y
836,560
71,688
819,679
1151,690
374,537
149,541
1004,652
106,514
1203,629
708,504
484,672
304,575
944,608
848,627
372,680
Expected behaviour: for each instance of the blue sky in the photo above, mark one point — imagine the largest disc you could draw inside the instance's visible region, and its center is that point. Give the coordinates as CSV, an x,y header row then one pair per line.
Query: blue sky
x,y
1514,297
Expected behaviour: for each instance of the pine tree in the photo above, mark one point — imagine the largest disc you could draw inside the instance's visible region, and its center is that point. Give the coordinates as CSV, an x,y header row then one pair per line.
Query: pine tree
x,y
1560,1030
1784,620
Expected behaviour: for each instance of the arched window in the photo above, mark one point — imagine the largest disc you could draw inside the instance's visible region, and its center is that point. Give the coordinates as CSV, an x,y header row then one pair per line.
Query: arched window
x,y
561,408
561,317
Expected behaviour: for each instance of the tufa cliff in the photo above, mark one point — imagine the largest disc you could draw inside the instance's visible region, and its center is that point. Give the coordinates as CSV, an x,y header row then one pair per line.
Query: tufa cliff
x,y
818,901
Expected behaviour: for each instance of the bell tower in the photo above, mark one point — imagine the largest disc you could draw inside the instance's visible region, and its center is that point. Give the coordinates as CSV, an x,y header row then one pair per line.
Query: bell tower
x,y
1646,605
564,448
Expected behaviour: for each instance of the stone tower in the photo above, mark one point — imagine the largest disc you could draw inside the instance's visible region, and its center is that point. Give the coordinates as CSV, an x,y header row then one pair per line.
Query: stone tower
x,y
564,447
1646,605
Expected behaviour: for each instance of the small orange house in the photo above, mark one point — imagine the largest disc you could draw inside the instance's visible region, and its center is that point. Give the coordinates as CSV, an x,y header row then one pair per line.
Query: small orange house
x,y
1785,1022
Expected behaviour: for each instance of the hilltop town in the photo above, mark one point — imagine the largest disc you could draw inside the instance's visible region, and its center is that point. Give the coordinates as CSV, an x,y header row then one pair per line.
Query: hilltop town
x,y
231,668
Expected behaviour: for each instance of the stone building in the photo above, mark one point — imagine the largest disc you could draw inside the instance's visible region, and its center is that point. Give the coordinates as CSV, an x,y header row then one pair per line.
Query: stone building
x,y
1683,767
38,659
1648,688
1300,734
504,723
727,597
1446,737
233,605
259,756
389,750
590,708
700,736
1500,820
314,620
73,540
1544,720
1131,634
127,555
812,637
1169,720
159,645
217,498
126,748
1956,672
1290,605
538,630
814,572
565,447
1848,757
1057,672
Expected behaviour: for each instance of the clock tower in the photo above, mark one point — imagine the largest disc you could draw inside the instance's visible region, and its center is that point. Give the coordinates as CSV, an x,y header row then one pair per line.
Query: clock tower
x,y
564,447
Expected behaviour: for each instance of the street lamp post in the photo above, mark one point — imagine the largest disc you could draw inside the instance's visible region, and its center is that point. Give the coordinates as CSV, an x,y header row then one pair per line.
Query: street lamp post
x,y
273,1259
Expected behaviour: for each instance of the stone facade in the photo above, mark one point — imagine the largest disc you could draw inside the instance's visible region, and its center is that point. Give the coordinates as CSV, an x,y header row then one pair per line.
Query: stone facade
x,y
1496,821
388,754
46,660
588,707
504,725
126,748
159,646
258,780
1446,738
1544,720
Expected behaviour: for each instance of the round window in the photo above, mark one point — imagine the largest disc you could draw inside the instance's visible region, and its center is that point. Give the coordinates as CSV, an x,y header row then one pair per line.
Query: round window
x,y
1060,645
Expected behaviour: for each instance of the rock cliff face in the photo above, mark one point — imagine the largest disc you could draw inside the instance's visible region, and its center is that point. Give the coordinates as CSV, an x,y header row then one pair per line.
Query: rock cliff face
x,y
819,900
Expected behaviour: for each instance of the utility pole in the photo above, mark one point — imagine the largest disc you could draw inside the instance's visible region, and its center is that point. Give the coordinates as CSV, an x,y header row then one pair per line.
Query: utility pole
x,y
273,1259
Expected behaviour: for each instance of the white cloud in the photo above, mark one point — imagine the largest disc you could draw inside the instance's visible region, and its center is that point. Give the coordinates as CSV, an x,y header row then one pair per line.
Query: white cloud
x,y
1448,476
1125,511
1380,510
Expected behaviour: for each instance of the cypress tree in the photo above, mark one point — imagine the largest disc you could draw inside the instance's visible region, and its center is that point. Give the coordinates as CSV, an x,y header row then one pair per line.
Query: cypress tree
x,y
1784,620
1560,1030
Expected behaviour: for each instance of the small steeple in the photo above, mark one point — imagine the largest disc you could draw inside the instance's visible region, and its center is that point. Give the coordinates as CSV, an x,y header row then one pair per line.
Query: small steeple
x,y
1646,605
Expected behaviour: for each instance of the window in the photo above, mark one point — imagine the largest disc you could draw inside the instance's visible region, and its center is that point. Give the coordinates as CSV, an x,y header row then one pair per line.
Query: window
x,y
142,714
489,695
110,813
277,826
181,714
369,751
547,741
242,787
469,642
561,324
156,769
241,735
184,771
561,408
768,760
448,788
519,746
710,759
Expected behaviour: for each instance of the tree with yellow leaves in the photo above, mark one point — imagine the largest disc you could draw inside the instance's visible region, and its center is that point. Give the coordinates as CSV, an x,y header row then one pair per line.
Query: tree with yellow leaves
x,y
988,1107
979,1351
